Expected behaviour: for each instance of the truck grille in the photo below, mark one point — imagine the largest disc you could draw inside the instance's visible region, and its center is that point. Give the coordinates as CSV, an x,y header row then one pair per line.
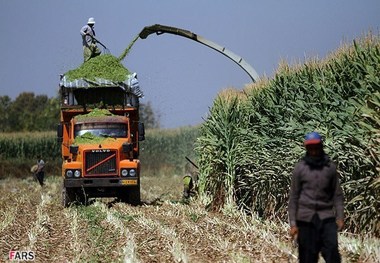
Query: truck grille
x,y
100,163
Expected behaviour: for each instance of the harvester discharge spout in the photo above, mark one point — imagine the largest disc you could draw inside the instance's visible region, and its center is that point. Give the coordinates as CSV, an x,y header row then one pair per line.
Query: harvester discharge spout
x,y
161,29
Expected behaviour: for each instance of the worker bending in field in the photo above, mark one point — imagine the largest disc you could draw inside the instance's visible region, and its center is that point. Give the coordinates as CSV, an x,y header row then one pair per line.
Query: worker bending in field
x,y
190,181
316,204
39,170
90,49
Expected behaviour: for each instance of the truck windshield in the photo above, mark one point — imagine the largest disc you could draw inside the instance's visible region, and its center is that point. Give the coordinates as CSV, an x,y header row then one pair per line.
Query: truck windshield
x,y
114,130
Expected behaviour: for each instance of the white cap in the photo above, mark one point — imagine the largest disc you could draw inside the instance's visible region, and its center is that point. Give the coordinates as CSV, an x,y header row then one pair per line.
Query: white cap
x,y
91,20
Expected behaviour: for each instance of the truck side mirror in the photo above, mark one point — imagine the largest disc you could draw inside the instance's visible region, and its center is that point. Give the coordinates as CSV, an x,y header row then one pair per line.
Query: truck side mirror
x,y
74,149
141,131
60,132
127,147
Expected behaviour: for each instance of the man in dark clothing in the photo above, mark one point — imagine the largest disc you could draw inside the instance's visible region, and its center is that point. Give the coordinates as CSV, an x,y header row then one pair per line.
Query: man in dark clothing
x,y
40,173
316,204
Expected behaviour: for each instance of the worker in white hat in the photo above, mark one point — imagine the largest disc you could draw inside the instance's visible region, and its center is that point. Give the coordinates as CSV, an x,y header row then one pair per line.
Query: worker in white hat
x,y
90,49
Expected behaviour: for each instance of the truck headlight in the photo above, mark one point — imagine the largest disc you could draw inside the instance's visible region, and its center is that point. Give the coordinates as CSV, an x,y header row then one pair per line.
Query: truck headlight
x,y
69,173
124,172
77,173
132,172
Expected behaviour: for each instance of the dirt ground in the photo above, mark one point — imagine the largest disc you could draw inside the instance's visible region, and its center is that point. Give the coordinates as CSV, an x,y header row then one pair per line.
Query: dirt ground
x,y
161,229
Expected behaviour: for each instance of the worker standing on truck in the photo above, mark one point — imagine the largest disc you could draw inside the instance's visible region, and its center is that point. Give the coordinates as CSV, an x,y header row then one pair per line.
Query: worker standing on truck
x,y
316,204
90,49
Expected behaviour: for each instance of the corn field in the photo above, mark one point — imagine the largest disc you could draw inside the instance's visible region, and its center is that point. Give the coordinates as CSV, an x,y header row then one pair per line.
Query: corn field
x,y
166,150
29,145
252,139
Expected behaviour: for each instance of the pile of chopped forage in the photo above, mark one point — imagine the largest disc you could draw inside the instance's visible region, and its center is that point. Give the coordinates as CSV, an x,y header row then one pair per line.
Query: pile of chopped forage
x,y
104,66
94,113
90,138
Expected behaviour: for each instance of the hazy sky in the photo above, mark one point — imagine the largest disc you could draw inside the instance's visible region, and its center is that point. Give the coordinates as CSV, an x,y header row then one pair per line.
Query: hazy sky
x,y
39,39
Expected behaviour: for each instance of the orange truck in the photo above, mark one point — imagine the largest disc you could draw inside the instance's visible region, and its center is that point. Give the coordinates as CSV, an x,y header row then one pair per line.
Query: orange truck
x,y
100,132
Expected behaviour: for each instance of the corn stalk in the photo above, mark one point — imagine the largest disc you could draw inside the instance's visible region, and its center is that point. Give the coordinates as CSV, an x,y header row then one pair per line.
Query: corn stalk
x,y
249,146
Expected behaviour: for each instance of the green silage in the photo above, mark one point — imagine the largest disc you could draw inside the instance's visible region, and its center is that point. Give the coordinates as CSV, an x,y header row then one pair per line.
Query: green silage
x,y
126,51
104,66
94,113
90,138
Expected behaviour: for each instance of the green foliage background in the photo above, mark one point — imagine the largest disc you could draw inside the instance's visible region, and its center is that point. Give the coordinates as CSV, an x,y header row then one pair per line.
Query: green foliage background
x,y
30,112
164,150
252,139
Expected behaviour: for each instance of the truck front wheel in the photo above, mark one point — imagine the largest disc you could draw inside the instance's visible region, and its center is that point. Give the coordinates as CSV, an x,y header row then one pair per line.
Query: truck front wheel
x,y
131,196
68,196
134,197
72,195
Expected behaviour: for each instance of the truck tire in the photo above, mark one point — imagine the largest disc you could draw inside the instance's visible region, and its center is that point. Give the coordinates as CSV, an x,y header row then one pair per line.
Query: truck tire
x,y
82,197
134,197
130,196
68,196
73,196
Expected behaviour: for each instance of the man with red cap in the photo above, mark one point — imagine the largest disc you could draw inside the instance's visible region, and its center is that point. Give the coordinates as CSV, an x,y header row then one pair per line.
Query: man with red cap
x,y
316,204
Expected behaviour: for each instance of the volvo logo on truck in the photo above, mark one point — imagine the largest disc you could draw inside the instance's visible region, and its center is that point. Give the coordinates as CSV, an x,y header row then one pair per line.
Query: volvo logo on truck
x,y
101,151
